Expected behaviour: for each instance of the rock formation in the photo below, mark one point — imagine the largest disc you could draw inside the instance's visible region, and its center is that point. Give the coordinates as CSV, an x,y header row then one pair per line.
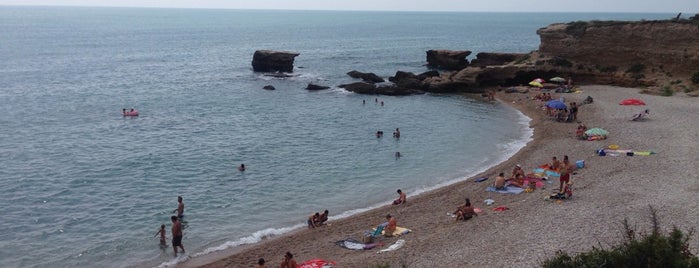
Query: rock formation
x,y
367,77
269,87
312,86
448,59
669,45
273,61
489,59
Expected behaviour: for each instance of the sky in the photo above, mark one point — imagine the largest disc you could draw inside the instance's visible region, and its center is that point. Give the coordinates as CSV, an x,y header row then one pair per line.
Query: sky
x,y
645,6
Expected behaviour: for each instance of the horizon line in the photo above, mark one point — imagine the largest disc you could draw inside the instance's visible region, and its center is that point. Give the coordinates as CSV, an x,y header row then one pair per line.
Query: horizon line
x,y
341,10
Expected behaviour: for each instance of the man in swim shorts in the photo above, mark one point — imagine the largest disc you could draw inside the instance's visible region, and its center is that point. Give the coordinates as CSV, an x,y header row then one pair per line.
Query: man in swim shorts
x,y
566,169
176,234
313,220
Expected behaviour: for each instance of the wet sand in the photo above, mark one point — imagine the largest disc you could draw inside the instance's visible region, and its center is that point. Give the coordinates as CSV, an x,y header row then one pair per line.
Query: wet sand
x,y
606,191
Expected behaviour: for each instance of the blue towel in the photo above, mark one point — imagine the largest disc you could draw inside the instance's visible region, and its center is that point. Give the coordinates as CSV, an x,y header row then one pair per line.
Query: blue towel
x,y
509,190
481,179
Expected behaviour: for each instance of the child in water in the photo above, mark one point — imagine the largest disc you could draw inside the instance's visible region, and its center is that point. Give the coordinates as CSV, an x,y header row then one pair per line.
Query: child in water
x,y
161,232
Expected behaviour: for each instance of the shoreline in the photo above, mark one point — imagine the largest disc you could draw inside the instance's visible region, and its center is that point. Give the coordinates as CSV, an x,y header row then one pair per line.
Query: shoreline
x,y
201,259
532,226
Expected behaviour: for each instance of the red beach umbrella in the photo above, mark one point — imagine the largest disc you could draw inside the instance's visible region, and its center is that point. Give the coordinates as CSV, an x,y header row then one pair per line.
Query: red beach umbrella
x,y
632,102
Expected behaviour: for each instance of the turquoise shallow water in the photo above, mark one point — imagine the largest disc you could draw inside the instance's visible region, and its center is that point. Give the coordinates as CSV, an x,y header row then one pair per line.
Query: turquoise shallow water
x,y
86,187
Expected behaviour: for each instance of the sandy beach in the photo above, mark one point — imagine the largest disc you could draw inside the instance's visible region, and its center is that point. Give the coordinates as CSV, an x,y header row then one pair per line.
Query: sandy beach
x,y
606,191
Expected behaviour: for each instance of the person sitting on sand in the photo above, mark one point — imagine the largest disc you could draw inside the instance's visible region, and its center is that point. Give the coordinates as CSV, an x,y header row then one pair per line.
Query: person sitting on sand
x,y
500,182
517,181
261,263
323,218
401,198
313,220
517,171
555,164
288,261
390,225
465,211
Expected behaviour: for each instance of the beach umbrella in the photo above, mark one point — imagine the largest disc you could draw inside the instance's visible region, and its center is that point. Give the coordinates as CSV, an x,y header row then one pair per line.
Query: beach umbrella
x,y
557,79
556,104
535,84
632,102
540,80
595,131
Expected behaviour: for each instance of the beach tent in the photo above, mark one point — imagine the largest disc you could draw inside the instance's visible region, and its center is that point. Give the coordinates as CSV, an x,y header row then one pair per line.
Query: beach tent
x,y
556,104
595,131
557,79
535,84
632,102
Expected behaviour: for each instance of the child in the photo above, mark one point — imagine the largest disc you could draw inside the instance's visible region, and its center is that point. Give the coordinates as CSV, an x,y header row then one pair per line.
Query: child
x,y
161,232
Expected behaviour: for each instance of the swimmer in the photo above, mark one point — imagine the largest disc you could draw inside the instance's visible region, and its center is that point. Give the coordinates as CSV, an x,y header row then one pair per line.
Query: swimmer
x,y
396,134
398,155
241,167
379,134
180,208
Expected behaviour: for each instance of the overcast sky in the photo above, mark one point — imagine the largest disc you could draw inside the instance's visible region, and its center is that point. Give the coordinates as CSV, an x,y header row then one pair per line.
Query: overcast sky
x,y
650,6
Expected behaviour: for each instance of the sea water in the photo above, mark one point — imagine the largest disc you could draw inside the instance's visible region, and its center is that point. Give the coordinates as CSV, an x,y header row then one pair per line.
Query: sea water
x,y
85,187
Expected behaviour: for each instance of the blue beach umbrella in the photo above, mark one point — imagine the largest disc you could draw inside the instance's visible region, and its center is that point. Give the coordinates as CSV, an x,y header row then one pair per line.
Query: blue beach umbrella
x,y
556,104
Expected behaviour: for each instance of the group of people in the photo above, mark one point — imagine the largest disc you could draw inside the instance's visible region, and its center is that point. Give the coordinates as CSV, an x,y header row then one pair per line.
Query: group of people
x,y
518,176
176,228
317,219
287,262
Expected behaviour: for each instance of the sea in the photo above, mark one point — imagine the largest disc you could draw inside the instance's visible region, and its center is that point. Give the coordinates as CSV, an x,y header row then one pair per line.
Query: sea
x,y
84,186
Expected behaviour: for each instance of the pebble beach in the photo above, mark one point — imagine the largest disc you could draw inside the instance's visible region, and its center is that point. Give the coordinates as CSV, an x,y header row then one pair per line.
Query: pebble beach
x,y
607,190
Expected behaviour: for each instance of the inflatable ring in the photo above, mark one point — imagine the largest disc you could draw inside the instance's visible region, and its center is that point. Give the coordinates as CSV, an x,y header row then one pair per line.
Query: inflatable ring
x,y
613,146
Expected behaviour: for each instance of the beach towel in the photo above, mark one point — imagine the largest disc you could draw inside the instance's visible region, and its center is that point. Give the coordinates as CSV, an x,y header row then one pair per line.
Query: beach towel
x,y
481,179
399,231
356,245
398,244
501,208
317,263
508,190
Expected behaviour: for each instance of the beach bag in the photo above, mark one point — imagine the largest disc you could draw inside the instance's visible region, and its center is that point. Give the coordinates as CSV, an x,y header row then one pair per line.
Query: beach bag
x,y
601,152
580,163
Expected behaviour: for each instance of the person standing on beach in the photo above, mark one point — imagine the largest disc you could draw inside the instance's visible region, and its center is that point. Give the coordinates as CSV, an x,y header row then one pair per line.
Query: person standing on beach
x,y
180,208
323,217
566,169
401,198
288,261
176,234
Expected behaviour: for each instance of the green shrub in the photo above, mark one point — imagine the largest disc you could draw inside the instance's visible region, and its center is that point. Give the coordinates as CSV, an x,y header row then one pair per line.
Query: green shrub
x,y
637,250
523,59
636,68
675,82
667,91
695,77
606,69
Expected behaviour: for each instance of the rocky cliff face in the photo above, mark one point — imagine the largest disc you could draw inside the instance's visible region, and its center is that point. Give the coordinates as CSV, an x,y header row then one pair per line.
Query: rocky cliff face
x,y
643,51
